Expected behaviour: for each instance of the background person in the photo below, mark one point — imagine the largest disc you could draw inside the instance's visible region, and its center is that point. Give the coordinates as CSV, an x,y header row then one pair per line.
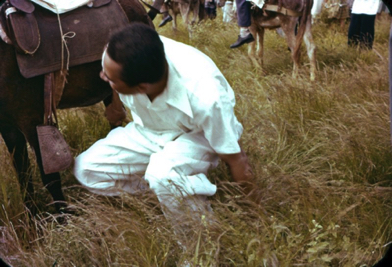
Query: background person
x,y
244,21
159,7
361,29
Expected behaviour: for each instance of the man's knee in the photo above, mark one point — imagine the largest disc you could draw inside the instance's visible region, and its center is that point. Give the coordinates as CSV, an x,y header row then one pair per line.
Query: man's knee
x,y
80,170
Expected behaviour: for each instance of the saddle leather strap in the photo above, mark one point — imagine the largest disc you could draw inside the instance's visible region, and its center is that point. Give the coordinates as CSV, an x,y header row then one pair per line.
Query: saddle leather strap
x,y
55,153
49,107
280,9
53,91
23,5
3,34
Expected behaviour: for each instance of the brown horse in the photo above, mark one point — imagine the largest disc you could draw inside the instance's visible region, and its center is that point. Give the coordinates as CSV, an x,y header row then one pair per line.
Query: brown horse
x,y
22,108
285,14
186,8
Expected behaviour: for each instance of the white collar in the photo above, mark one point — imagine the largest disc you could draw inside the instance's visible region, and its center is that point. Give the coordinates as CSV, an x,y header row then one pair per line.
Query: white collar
x,y
175,93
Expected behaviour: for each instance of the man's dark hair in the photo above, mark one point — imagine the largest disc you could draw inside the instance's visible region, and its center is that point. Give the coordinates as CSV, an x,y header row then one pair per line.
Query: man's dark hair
x,y
139,50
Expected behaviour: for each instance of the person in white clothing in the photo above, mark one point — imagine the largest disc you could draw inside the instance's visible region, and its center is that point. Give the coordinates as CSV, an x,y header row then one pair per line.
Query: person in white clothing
x,y
183,123
361,29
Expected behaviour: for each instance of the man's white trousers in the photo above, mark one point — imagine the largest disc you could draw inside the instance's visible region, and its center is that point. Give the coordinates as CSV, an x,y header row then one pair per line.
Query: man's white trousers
x,y
173,164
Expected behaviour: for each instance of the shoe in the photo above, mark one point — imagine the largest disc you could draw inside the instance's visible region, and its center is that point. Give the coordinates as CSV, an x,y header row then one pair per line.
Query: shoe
x,y
165,20
243,40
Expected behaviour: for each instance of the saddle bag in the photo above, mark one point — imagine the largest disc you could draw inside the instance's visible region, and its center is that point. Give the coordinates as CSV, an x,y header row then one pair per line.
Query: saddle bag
x,y
22,25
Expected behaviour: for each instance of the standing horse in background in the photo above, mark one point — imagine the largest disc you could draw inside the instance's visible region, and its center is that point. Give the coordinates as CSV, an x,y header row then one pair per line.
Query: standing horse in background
x,y
191,11
22,101
285,14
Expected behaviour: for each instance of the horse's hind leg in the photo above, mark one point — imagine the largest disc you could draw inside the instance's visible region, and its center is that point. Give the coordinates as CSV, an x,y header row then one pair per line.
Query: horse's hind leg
x,y
174,10
289,30
17,147
311,49
255,49
184,10
196,6
174,22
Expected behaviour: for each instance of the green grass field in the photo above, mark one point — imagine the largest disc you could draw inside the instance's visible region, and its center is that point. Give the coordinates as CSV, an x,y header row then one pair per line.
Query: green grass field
x,y
321,153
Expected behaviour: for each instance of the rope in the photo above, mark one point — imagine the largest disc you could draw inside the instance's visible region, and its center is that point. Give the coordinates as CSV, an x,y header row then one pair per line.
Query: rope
x,y
64,43
61,78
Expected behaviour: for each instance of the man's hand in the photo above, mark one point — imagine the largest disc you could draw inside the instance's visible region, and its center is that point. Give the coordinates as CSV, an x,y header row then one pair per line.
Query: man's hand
x,y
239,167
115,112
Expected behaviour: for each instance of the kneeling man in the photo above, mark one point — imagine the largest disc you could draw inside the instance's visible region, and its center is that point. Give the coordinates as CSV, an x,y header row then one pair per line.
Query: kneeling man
x,y
183,123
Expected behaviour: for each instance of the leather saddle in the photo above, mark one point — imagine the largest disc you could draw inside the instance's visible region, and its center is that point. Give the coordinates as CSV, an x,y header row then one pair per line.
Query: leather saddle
x,y
49,43
46,42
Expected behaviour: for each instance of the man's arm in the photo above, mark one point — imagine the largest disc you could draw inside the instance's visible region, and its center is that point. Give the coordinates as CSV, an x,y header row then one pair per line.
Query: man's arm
x,y
115,112
239,167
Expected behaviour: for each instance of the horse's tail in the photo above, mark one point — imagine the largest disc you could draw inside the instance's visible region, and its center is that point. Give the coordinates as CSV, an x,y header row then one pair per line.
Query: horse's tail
x,y
306,13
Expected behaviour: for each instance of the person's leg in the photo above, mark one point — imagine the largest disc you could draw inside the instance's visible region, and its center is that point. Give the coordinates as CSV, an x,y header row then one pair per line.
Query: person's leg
x,y
367,31
180,168
244,21
177,175
165,16
210,8
116,163
243,13
354,30
160,7
156,7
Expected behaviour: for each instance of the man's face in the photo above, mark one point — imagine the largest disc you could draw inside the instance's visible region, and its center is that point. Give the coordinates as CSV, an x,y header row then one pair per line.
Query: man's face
x,y
111,73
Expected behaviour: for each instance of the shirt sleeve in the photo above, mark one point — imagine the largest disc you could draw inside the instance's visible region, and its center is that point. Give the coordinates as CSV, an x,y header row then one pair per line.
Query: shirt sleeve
x,y
215,116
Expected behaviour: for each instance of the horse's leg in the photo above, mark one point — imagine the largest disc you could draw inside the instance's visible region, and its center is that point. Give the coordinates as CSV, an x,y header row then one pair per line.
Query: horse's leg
x,y
311,50
174,12
195,12
174,23
260,46
185,9
201,14
194,7
256,54
17,147
52,182
289,30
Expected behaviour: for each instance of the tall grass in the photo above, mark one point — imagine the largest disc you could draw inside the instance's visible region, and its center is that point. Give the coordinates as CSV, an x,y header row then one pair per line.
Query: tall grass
x,y
320,151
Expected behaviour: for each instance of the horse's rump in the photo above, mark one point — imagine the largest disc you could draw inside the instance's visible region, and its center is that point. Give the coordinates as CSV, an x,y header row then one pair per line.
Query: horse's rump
x,y
72,38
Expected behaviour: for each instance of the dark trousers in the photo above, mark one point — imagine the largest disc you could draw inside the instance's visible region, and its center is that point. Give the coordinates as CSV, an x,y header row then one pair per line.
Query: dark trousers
x,y
210,8
361,30
243,13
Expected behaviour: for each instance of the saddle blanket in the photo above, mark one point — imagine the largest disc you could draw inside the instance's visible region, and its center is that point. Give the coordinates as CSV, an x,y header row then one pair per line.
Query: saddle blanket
x,y
62,6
